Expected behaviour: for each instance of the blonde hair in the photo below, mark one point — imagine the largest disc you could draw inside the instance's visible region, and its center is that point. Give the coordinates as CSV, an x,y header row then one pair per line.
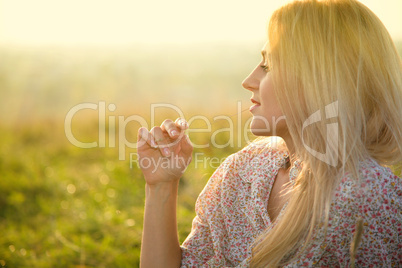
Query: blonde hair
x,y
334,57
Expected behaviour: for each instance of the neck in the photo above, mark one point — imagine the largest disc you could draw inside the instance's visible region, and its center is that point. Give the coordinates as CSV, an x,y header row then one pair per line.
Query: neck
x,y
290,147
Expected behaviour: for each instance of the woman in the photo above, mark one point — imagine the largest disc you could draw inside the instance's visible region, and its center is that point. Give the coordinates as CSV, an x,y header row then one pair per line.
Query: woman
x,y
325,198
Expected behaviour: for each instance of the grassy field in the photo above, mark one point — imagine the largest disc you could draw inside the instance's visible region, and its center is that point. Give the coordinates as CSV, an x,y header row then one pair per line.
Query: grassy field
x,y
65,206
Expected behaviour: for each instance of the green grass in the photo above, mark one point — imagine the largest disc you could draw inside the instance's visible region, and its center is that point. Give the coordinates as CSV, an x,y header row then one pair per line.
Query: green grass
x,y
45,224
63,206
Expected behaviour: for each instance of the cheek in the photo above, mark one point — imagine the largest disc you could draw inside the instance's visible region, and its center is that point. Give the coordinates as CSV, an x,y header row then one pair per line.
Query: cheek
x,y
270,120
269,101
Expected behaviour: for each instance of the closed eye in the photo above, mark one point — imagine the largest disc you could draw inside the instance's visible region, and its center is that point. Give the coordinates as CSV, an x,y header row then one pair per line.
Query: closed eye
x,y
265,67
264,63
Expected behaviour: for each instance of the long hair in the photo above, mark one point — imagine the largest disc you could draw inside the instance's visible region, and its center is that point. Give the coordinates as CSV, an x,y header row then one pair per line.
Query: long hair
x,y
337,77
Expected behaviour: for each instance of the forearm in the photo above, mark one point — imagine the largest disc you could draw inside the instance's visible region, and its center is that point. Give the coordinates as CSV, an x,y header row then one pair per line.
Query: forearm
x,y
160,244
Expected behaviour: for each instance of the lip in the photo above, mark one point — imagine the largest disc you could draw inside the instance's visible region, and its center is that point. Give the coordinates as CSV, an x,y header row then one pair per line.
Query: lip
x,y
253,107
256,104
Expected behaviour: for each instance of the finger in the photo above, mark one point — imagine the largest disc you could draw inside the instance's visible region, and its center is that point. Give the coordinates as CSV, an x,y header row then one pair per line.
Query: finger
x,y
181,123
186,145
170,127
159,138
144,137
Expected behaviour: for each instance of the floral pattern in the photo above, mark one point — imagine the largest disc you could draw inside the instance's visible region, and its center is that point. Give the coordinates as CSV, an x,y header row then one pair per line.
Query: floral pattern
x,y
232,212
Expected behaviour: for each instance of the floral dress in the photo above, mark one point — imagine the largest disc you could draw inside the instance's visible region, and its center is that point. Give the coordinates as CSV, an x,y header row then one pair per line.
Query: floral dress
x,y
231,212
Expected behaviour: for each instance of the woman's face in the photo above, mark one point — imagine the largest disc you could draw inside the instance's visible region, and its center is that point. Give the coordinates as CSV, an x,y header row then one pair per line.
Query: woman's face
x,y
268,119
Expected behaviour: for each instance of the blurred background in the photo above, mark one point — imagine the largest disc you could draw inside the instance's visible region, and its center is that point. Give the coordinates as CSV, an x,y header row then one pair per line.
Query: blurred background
x,y
65,206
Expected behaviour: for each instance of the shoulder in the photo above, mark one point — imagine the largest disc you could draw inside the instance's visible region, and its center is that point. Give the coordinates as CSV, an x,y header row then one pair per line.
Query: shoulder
x,y
377,199
376,186
256,160
260,152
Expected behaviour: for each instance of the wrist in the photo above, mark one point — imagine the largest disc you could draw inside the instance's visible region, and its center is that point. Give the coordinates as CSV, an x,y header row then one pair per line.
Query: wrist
x,y
162,190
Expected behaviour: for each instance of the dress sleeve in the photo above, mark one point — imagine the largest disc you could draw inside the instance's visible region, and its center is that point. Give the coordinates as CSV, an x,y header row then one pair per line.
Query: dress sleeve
x,y
378,203
200,248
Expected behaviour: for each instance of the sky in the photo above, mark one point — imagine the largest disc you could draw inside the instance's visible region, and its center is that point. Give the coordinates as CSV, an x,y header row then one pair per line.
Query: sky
x,y
122,22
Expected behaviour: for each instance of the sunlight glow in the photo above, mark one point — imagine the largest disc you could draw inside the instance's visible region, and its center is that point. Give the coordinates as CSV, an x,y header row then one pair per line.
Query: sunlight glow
x,y
74,22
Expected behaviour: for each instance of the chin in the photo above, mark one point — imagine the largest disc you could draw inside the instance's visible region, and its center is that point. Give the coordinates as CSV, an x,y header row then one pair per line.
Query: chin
x,y
260,132
260,128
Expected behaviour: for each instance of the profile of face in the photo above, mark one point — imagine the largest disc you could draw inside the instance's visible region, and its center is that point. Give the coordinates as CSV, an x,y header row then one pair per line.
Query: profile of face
x,y
268,119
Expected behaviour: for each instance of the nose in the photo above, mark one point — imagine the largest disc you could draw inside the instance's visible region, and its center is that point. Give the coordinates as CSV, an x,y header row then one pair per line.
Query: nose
x,y
251,82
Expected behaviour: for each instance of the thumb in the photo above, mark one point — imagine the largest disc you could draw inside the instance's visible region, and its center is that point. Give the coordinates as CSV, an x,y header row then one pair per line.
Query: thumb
x,y
186,145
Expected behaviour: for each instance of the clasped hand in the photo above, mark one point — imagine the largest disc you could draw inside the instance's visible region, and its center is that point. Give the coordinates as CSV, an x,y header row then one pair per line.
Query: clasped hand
x,y
164,152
